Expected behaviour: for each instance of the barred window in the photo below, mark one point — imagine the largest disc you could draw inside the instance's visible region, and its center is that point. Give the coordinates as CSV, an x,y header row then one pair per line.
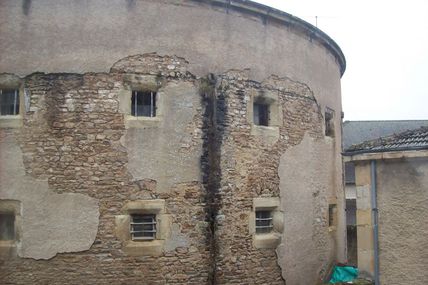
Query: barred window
x,y
9,102
143,226
263,222
143,104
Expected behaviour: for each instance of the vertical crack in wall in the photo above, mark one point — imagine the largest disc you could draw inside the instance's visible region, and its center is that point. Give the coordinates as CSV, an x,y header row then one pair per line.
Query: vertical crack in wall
x,y
213,129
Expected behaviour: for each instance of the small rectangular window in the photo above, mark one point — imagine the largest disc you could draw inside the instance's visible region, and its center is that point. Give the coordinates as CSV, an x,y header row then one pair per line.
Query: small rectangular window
x,y
331,215
7,226
261,114
143,226
329,122
143,104
9,102
263,222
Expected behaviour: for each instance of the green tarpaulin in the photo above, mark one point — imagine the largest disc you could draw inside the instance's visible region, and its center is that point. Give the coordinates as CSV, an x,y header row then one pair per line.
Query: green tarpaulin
x,y
343,274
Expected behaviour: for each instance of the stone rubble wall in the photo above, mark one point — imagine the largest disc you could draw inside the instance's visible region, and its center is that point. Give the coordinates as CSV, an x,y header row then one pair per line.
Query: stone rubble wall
x,y
249,169
72,137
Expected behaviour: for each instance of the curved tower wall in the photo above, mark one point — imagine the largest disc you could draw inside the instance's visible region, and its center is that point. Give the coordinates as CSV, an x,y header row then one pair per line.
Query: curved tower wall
x,y
76,164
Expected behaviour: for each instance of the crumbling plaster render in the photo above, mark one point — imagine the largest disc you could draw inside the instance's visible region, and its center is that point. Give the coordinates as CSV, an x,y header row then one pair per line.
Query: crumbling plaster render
x,y
72,135
51,223
251,164
159,149
210,37
201,154
307,247
83,115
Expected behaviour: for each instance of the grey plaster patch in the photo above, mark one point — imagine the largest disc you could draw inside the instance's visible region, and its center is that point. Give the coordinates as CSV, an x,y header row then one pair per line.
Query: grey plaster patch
x,y
177,239
306,247
165,145
51,223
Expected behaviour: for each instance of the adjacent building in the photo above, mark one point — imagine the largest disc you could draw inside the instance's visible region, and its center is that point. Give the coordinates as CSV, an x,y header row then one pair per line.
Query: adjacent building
x,y
354,133
391,182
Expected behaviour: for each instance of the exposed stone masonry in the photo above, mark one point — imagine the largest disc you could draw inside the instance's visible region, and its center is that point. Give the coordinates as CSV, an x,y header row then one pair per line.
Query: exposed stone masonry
x,y
72,137
250,169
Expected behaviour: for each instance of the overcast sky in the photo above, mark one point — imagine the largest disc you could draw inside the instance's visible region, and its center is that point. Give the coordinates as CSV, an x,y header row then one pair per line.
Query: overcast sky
x,y
386,48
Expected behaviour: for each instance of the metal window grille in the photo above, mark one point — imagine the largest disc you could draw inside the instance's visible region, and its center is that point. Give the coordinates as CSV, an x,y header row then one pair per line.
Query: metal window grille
x,y
7,226
143,104
261,114
263,222
143,227
9,102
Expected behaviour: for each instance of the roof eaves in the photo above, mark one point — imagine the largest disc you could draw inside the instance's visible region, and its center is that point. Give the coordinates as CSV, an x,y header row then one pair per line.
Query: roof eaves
x,y
363,151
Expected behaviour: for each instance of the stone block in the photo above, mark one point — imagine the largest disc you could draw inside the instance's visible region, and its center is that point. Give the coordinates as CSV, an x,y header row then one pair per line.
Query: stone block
x,y
265,241
362,173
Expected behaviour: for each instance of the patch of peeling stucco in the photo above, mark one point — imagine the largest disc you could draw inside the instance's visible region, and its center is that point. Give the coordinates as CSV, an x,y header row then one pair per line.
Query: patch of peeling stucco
x,y
166,146
307,247
52,223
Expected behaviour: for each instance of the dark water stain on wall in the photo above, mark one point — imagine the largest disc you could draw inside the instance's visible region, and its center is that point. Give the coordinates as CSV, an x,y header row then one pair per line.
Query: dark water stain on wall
x,y
213,129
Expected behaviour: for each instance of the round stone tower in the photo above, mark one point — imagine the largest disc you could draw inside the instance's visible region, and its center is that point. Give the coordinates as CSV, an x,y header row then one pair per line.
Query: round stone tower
x,y
158,142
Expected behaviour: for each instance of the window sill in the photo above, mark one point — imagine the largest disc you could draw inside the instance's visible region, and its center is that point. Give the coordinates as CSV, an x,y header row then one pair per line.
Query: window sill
x,y
7,248
270,133
144,248
141,122
7,243
270,240
10,121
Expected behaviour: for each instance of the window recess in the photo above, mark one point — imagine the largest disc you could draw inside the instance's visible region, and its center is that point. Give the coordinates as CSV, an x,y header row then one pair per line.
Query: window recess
x,y
261,114
329,122
143,104
332,212
266,222
7,226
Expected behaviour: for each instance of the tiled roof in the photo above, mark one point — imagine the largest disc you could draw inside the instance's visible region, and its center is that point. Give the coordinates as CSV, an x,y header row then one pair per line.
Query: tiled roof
x,y
408,140
355,132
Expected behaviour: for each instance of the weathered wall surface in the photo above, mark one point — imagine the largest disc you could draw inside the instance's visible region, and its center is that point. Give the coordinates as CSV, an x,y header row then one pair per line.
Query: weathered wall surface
x,y
201,154
298,168
364,218
308,248
76,36
162,147
72,138
403,228
76,137
68,221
